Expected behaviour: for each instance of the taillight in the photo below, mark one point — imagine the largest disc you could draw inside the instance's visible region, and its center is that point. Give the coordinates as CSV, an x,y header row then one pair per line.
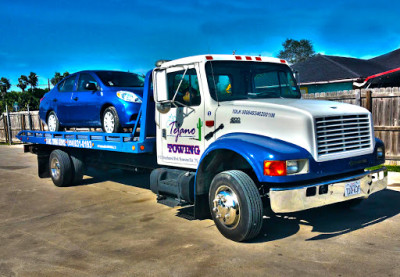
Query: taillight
x,y
275,168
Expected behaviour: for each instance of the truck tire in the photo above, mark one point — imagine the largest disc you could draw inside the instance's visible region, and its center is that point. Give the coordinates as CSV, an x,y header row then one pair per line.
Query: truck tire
x,y
78,169
236,205
61,170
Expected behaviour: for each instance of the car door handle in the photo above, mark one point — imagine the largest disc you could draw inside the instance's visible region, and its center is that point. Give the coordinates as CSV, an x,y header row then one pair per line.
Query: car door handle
x,y
54,100
75,98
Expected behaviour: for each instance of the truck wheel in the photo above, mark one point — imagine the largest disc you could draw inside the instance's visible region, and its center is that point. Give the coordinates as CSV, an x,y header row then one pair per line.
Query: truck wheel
x,y
61,170
236,205
79,169
110,121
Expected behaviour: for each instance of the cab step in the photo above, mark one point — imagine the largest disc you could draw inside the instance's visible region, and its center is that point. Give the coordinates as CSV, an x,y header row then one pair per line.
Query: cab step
x,y
173,187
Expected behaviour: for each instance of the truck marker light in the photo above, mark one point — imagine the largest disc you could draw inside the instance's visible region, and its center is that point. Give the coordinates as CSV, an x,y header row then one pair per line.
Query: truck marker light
x,y
283,61
248,58
142,147
275,168
238,58
209,58
133,148
209,123
258,58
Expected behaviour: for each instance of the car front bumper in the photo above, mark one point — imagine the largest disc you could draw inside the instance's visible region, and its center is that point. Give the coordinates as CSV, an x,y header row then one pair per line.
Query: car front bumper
x,y
285,200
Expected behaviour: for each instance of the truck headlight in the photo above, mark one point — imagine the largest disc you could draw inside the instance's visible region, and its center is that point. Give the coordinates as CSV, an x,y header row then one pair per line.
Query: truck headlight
x,y
292,167
128,96
380,152
283,168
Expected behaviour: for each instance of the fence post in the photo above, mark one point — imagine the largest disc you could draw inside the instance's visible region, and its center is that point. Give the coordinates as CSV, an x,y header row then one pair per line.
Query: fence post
x,y
369,100
358,97
9,131
5,127
29,119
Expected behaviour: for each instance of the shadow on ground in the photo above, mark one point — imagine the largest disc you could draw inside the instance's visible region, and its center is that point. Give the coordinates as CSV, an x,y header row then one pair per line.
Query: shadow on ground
x,y
329,221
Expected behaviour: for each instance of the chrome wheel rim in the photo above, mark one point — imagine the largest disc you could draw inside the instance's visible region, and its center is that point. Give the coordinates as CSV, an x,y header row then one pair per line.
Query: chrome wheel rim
x,y
226,207
109,122
52,122
55,168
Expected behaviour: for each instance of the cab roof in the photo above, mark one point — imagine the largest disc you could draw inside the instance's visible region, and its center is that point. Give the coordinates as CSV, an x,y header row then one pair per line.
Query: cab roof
x,y
218,57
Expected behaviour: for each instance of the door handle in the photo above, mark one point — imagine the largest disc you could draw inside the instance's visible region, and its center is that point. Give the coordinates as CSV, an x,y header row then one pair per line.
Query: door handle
x,y
54,100
75,98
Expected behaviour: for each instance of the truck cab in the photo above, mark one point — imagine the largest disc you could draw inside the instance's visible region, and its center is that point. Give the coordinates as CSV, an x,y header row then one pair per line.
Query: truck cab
x,y
241,120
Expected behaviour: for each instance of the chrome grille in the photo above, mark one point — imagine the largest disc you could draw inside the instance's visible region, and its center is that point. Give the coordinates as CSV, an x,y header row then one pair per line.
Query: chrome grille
x,y
336,134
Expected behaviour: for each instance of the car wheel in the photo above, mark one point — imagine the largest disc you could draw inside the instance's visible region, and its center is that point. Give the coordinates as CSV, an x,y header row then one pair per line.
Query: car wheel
x,y
52,122
110,121
236,205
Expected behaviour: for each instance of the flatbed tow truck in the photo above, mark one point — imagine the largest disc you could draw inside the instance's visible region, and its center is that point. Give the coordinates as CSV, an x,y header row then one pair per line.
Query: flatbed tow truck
x,y
230,135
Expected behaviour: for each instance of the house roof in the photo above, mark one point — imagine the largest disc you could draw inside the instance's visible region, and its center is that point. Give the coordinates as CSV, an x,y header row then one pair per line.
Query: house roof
x,y
324,68
390,60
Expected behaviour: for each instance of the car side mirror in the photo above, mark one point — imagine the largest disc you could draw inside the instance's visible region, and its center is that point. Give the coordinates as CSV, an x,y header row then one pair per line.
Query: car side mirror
x,y
164,106
91,86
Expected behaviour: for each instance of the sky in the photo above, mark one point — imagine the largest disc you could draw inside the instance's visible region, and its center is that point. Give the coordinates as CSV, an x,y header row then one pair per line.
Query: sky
x,y
48,36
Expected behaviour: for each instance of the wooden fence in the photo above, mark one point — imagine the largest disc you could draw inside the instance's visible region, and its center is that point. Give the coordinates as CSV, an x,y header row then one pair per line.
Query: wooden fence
x,y
384,104
14,122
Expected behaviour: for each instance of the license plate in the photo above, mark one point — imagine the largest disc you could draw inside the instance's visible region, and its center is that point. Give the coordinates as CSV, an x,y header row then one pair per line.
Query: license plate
x,y
352,188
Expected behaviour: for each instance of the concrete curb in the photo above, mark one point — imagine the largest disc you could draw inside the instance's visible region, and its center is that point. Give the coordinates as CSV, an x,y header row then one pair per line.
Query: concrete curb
x,y
394,178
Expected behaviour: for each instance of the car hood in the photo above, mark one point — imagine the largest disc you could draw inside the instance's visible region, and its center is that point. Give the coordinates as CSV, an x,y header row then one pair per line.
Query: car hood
x,y
137,90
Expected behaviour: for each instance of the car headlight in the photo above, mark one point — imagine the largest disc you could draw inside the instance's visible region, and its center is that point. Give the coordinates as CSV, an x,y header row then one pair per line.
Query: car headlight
x,y
128,96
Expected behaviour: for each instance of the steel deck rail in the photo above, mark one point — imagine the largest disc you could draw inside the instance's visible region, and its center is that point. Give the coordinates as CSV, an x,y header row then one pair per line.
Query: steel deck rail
x,y
121,142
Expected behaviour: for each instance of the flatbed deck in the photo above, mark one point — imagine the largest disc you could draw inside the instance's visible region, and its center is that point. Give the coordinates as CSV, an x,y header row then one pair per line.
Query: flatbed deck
x,y
121,142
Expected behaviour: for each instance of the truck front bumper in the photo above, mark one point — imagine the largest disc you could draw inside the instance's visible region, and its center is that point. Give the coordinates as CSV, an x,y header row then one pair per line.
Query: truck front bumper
x,y
285,200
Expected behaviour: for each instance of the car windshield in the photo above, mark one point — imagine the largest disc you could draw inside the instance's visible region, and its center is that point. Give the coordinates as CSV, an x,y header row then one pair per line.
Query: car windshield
x,y
232,80
120,79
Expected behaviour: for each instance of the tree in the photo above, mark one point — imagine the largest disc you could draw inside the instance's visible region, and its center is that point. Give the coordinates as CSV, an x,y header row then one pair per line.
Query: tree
x,y
295,51
4,86
58,77
33,80
23,82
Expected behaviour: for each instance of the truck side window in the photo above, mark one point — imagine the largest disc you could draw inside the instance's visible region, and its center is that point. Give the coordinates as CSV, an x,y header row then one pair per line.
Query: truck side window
x,y
220,86
189,92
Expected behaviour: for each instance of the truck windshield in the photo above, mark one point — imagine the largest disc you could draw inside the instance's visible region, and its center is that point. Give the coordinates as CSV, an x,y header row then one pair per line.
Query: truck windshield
x,y
232,80
120,79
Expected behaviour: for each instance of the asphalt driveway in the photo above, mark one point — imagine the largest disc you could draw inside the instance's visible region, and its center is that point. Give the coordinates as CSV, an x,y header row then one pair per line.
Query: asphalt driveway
x,y
112,226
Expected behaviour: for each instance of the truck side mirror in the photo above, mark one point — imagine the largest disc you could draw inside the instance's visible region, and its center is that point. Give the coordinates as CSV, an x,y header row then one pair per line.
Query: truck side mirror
x,y
164,106
160,85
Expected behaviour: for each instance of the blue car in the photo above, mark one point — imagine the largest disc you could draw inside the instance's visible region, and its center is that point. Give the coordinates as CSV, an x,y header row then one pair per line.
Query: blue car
x,y
98,98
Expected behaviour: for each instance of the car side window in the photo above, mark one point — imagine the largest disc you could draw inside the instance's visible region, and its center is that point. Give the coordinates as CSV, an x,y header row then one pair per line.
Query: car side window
x,y
188,92
67,84
84,80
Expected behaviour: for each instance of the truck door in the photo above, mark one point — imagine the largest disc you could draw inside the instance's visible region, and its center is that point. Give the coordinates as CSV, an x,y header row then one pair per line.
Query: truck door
x,y
180,130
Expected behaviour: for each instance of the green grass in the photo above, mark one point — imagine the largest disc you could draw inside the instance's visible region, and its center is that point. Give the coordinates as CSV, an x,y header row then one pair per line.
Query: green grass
x,y
393,168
